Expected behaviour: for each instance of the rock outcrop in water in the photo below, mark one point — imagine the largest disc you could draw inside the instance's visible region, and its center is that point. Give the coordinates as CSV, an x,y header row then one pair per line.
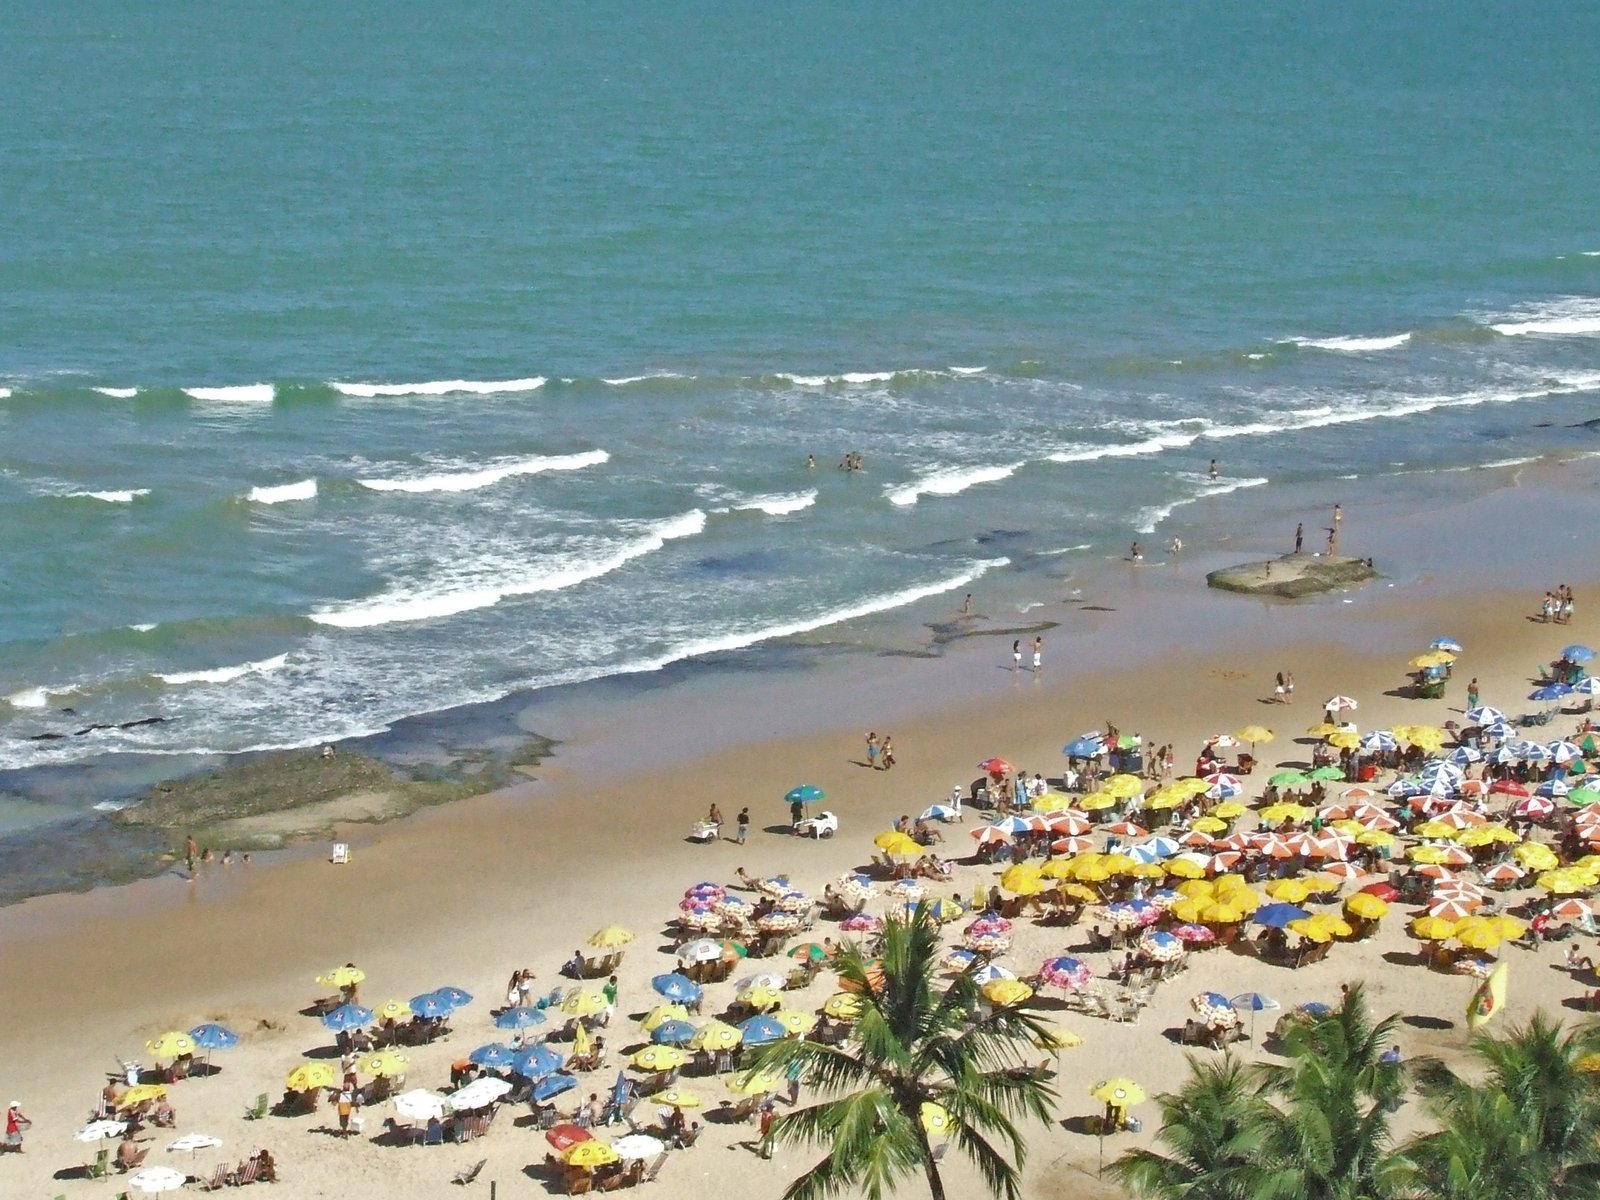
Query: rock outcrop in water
x,y
1294,575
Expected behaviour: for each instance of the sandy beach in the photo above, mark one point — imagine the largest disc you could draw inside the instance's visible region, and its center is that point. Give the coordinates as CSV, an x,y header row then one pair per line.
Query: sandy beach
x,y
466,893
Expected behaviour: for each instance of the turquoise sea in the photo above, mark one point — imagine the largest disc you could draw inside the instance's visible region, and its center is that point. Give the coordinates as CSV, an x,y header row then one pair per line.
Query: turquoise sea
x,y
358,362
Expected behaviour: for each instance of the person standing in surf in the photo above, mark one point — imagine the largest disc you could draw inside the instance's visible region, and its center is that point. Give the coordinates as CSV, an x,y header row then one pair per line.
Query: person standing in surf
x,y
1038,653
1016,654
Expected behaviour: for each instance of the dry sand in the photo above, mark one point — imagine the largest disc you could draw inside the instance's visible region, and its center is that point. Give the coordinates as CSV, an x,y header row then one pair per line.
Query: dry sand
x,y
464,894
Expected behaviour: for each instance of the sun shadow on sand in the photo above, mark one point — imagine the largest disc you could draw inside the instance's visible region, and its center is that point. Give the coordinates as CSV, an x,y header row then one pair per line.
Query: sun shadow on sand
x,y
1404,958
1419,1021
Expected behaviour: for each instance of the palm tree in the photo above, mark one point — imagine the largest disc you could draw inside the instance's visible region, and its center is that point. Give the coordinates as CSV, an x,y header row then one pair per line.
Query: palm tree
x,y
1218,1128
1338,1093
915,1044
1530,1130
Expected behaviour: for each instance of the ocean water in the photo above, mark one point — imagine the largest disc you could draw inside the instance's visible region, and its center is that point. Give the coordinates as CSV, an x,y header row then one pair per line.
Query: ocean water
x,y
380,360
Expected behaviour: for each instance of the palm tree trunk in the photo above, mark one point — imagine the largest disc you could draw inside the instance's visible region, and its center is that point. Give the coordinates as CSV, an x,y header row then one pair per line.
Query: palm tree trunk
x,y
935,1183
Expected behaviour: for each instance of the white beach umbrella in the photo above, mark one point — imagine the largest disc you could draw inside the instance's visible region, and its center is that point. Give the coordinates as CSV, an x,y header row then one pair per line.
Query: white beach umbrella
x,y
1340,704
157,1179
638,1145
195,1141
96,1131
1484,714
482,1091
1564,752
419,1104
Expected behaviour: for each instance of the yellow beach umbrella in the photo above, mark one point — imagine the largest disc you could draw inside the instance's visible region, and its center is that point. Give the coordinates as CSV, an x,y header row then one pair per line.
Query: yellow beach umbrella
x,y
1344,740
1536,856
1144,870
1323,729
1022,875
1433,829
935,1118
1165,798
887,838
1117,863
1321,885
1221,912
1478,937
1375,837
306,1077
1120,1092
384,1063
662,1013
1197,889
1054,1037
1050,802
342,977
1123,787
1433,658
1229,810
677,1098
170,1044
611,937
1210,824
658,1058
1076,891
756,1083
715,1035
901,846
1308,928
1091,869
581,1042
760,997
1056,868
1506,926
1096,802
1189,909
393,1010
1184,868
590,1154
1274,813
1562,882
585,1004
842,1006
795,1021
140,1092
1366,906
1291,891
1433,929
1254,734
1006,992
1192,786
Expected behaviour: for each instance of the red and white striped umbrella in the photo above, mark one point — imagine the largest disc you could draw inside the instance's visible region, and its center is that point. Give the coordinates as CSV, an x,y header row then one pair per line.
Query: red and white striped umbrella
x,y
1435,871
1460,818
1573,908
1273,846
1076,844
1506,872
1234,841
1536,807
1452,910
1127,829
1195,838
1219,864
1345,870
1371,816
1071,823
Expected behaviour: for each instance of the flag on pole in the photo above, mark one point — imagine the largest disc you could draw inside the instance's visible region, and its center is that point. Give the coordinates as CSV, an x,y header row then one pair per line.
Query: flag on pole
x,y
1489,998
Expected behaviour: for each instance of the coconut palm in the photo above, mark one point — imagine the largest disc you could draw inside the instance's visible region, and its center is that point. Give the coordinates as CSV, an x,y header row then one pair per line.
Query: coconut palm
x,y
1529,1130
1218,1129
918,1042
1337,1094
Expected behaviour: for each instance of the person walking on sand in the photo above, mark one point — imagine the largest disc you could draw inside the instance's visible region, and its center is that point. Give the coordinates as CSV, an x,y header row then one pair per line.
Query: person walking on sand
x,y
1038,653
1472,693
1277,689
1016,654
1299,536
743,820
872,751
886,755
1288,687
17,1124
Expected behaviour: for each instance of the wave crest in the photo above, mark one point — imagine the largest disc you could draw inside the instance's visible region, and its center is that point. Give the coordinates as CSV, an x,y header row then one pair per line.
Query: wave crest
x,y
125,497
306,489
778,506
949,482
427,604
440,387
1353,345
224,674
244,393
466,481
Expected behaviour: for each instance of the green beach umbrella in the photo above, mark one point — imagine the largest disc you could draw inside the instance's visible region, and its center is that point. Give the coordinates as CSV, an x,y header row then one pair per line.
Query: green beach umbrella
x,y
1285,779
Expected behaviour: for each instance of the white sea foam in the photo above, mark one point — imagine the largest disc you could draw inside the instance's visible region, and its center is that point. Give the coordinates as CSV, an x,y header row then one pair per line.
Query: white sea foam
x,y
779,506
1152,445
5,393
1151,518
1571,316
246,393
466,481
430,603
118,393
225,674
306,489
126,497
143,627
1354,345
111,806
34,697
968,370
440,387
864,608
848,377
627,379
949,482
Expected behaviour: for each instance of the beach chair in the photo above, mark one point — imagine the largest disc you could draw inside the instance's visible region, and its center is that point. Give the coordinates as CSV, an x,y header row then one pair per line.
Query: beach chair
x,y
247,1172
259,1109
655,1167
434,1135
468,1175
218,1181
340,855
101,1167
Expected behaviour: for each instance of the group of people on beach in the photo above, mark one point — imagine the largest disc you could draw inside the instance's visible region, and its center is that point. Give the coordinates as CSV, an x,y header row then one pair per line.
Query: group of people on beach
x,y
880,754
1038,653
1557,606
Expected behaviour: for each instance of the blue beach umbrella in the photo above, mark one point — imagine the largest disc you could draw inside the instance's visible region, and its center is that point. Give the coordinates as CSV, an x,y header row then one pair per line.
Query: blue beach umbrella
x,y
454,997
536,1062
552,1086
495,1055
758,1031
1252,1003
1083,747
1379,741
679,989
1498,730
1484,714
672,1033
519,1018
430,1005
1550,691
347,1017
989,972
1446,643
214,1037
806,793
1316,1008
938,812
1577,653
1463,755
1278,915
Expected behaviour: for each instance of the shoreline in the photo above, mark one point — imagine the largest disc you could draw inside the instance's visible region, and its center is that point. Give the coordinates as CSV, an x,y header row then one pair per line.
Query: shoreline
x,y
462,893
483,748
